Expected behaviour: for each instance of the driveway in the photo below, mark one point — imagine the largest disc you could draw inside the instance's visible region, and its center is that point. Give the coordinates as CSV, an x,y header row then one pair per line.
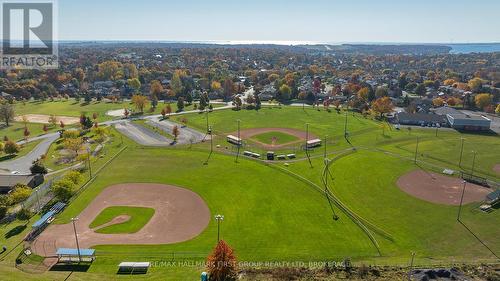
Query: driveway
x,y
23,164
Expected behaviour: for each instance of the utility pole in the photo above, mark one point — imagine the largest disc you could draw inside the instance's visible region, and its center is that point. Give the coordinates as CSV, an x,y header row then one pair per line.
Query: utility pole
x,y
73,220
416,151
461,201
461,152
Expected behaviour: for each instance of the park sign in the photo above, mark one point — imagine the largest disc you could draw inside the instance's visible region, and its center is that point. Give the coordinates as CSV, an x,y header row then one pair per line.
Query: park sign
x,y
28,34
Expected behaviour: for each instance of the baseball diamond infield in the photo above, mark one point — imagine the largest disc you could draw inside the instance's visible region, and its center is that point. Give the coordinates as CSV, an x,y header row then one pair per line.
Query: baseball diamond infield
x,y
249,133
180,215
440,189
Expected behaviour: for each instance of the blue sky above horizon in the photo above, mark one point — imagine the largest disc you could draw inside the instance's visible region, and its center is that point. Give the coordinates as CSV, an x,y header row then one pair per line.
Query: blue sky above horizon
x,y
335,21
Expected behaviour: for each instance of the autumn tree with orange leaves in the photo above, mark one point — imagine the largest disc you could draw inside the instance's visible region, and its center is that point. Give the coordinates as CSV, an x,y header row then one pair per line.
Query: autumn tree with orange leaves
x,y
222,263
382,105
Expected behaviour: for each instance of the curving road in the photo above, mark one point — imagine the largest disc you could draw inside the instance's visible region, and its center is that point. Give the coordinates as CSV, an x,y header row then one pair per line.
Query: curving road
x,y
22,164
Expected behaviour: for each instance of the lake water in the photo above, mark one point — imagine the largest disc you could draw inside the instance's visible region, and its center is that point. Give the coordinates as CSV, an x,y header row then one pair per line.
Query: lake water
x,y
474,48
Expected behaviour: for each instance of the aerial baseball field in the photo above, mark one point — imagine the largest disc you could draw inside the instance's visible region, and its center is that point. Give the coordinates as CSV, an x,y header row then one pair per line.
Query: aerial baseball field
x,y
294,184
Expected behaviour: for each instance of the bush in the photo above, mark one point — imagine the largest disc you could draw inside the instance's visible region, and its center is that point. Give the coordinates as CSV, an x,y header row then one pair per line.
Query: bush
x,y
38,168
3,212
24,214
63,189
71,134
11,147
20,193
74,176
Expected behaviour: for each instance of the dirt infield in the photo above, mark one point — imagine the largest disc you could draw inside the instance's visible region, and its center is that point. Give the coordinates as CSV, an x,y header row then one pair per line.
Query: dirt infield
x,y
44,119
440,189
496,168
249,133
180,215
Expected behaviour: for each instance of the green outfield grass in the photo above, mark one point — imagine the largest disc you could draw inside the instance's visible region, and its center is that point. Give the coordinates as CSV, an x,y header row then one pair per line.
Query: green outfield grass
x,y
275,212
281,138
139,216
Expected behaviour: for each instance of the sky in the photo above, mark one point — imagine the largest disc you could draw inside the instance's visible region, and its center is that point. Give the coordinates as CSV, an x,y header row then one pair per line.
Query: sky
x,y
322,21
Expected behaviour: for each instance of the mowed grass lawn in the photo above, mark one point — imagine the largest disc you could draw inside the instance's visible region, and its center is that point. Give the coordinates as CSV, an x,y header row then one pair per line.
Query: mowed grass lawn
x,y
268,215
366,182
15,130
71,107
138,217
279,137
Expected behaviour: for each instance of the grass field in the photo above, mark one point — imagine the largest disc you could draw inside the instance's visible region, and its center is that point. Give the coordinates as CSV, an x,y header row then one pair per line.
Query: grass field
x,y
280,137
73,108
15,131
275,212
139,216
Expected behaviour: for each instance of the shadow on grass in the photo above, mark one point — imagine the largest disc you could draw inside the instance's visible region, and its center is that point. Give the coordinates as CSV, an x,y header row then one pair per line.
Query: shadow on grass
x,y
7,157
15,231
479,239
82,267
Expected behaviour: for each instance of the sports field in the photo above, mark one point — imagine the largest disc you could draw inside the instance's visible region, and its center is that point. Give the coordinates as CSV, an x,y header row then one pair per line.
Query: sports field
x,y
274,212
121,219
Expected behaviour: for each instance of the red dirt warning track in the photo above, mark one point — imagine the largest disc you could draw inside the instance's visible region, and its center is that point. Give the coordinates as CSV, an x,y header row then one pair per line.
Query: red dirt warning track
x,y
440,189
249,133
180,215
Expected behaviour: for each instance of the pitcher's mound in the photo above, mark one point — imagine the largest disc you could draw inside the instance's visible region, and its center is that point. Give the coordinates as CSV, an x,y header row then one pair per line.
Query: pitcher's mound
x,y
440,189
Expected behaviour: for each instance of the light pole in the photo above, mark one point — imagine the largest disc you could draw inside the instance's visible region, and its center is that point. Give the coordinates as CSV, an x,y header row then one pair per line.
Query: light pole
x,y
473,162
416,151
461,201
345,125
326,138
211,139
461,152
239,141
207,120
218,218
88,160
73,220
307,146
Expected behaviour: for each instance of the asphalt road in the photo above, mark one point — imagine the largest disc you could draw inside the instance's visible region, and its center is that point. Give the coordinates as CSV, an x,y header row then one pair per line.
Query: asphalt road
x,y
23,164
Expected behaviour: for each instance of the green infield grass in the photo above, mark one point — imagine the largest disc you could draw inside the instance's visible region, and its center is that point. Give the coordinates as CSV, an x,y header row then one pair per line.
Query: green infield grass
x,y
138,217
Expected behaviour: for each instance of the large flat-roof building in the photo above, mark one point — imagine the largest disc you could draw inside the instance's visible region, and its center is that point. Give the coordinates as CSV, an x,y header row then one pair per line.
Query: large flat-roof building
x,y
468,122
